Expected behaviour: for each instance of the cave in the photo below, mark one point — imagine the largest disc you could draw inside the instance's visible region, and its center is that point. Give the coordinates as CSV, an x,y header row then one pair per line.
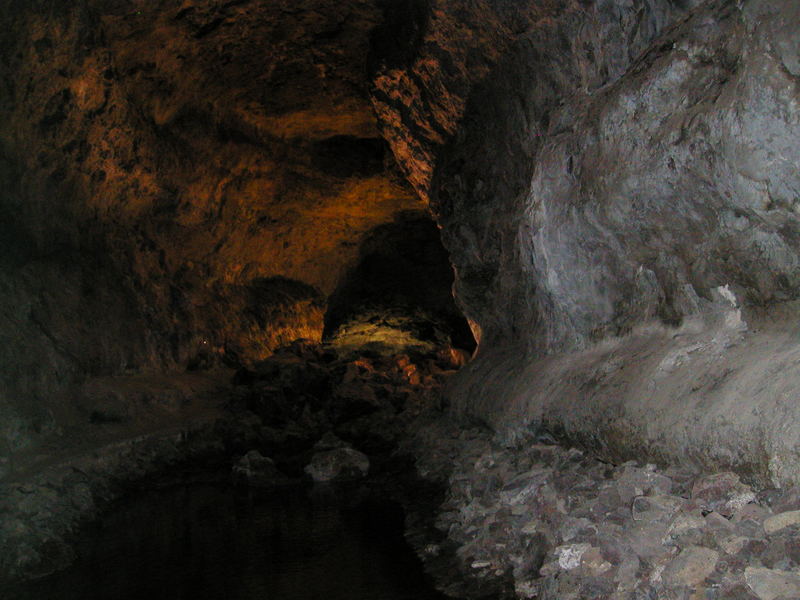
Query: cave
x,y
498,297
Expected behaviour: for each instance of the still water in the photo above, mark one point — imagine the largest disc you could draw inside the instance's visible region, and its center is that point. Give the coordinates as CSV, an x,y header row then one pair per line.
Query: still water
x,y
203,541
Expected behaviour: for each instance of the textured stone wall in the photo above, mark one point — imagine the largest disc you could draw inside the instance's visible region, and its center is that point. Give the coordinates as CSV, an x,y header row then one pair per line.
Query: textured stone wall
x,y
182,183
616,183
619,200
626,199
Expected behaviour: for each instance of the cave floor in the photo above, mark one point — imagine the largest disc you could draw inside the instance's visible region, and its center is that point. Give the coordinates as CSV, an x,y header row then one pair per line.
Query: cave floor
x,y
534,519
524,518
134,428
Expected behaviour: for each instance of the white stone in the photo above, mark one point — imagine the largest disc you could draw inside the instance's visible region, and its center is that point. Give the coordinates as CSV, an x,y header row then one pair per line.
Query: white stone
x,y
569,557
780,521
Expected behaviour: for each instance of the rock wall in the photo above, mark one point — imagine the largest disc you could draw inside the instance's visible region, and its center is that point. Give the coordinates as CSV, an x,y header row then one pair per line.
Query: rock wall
x,y
428,55
183,184
619,200
615,181
630,199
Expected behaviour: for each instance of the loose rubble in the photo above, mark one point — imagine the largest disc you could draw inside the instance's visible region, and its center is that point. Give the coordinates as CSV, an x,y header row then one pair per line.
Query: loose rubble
x,y
537,520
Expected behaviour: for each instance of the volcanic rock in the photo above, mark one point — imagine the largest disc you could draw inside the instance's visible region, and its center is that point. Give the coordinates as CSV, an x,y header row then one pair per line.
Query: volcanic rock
x,y
338,465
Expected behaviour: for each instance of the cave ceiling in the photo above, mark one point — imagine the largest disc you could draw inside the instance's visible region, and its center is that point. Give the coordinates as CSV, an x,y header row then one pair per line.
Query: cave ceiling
x,y
200,148
237,139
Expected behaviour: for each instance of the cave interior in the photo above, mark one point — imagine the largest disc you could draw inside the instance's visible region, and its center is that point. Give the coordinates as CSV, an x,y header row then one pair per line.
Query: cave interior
x,y
541,257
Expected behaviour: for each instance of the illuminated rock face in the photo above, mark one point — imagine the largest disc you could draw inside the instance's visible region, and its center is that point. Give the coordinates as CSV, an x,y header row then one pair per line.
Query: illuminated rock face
x,y
431,54
396,292
616,183
619,197
182,184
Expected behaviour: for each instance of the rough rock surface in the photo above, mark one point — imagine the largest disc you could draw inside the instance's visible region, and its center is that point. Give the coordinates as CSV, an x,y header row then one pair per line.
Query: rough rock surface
x,y
619,200
616,182
537,520
182,184
198,179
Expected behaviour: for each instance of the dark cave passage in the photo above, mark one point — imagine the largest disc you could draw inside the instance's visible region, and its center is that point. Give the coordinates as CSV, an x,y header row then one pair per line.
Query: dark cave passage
x,y
399,293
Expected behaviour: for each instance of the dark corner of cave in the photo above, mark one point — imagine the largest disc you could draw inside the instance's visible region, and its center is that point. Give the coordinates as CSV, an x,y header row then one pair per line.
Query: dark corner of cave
x,y
358,299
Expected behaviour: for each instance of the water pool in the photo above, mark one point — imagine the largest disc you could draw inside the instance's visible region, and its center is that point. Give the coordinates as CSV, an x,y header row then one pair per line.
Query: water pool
x,y
208,541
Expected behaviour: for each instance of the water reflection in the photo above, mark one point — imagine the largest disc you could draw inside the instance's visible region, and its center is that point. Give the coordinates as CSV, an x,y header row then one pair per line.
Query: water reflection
x,y
208,541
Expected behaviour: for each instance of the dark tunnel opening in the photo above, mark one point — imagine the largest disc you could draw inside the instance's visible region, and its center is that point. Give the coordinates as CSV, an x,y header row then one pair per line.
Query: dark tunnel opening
x,y
402,283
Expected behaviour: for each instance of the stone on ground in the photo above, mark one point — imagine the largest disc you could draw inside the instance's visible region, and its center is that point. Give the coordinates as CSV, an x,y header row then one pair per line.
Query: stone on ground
x,y
692,566
770,584
257,470
338,465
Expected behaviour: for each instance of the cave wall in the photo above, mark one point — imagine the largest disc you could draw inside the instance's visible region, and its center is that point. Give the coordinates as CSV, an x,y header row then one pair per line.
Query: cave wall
x,y
619,200
616,183
633,199
184,184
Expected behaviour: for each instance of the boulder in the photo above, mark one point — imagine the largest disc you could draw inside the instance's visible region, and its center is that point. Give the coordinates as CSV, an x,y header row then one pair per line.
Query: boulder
x,y
691,567
781,521
339,464
257,470
769,584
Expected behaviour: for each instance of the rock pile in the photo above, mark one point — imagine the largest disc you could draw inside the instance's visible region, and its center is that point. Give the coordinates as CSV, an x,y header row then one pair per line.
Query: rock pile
x,y
308,399
541,521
